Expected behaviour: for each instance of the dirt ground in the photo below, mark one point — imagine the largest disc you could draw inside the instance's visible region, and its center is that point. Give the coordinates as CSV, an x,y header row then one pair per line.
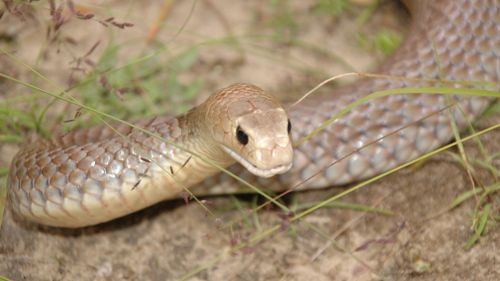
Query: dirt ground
x,y
420,240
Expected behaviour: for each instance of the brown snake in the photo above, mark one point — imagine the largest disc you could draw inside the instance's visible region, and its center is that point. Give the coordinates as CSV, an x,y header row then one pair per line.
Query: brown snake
x,y
95,175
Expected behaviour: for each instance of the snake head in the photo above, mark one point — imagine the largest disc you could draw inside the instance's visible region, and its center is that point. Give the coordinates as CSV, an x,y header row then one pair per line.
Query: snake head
x,y
253,128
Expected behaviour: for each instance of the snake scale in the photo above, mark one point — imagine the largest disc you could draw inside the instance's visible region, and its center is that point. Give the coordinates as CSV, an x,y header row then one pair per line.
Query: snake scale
x,y
97,174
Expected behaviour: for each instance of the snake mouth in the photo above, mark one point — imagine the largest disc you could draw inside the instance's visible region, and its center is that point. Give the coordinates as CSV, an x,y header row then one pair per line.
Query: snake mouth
x,y
265,173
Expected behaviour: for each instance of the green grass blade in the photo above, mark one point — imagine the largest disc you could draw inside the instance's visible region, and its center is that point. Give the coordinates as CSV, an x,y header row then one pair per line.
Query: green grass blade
x,y
346,205
480,229
468,194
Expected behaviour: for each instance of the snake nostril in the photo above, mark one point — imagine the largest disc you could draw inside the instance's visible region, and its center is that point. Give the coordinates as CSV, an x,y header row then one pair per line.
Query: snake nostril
x,y
241,136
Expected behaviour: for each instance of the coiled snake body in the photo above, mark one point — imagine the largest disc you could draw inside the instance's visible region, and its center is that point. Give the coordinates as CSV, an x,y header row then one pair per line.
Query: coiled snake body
x,y
97,174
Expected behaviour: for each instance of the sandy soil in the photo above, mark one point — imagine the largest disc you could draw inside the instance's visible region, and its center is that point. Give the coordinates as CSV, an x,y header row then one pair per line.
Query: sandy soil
x,y
419,241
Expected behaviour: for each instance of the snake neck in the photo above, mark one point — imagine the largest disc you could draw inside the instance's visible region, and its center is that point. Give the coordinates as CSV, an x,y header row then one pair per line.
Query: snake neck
x,y
198,136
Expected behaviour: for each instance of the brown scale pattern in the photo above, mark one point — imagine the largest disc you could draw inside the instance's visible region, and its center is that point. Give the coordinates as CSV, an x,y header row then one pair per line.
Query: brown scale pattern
x,y
58,175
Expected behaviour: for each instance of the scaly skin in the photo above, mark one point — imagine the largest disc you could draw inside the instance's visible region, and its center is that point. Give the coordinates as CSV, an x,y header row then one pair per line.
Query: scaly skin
x,y
109,176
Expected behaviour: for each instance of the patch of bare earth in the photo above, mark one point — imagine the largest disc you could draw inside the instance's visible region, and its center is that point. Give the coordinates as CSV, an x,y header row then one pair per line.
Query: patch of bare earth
x,y
172,239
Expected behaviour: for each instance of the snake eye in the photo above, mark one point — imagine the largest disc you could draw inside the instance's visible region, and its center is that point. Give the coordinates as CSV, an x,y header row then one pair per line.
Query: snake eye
x,y
289,126
241,136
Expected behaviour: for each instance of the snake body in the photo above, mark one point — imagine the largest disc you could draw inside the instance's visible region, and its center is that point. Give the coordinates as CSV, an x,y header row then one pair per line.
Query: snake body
x,y
97,174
